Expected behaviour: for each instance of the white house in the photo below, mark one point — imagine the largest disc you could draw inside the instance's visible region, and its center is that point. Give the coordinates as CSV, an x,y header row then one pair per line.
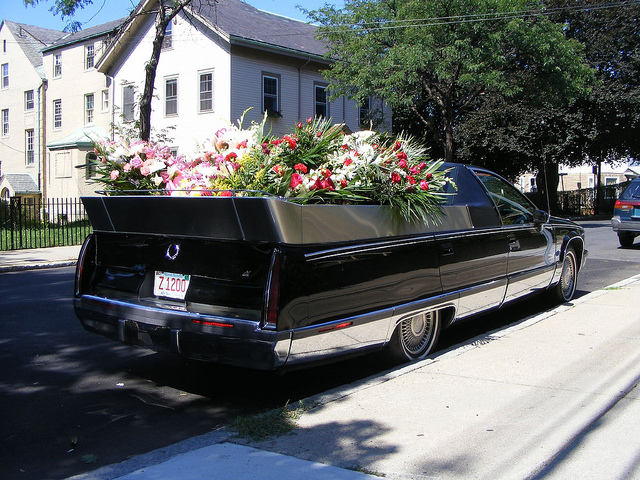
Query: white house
x,y
23,83
61,92
220,59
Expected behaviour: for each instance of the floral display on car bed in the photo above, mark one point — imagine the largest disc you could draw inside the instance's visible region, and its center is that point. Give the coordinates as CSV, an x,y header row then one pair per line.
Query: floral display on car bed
x,y
316,163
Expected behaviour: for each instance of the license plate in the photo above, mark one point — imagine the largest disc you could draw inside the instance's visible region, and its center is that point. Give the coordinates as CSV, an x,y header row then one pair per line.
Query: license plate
x,y
171,285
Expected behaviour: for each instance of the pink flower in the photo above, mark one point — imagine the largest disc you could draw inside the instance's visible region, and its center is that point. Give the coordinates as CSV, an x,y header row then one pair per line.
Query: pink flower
x,y
402,164
296,179
310,119
299,125
145,171
126,167
424,185
114,174
136,162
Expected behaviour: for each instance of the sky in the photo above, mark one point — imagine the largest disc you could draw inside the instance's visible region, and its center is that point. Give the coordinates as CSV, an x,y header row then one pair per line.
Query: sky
x,y
102,11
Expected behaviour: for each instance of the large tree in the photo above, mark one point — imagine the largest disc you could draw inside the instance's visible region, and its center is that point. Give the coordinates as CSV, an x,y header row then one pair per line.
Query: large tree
x,y
435,61
165,11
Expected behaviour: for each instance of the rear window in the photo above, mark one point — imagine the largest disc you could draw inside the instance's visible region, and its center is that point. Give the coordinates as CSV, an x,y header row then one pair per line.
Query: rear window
x,y
632,192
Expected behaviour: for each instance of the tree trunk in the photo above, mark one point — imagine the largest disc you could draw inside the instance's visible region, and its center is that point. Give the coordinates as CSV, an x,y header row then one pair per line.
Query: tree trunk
x,y
150,77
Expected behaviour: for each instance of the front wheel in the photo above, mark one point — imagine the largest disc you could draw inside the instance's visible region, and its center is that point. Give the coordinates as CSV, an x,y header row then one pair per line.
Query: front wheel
x,y
566,287
414,337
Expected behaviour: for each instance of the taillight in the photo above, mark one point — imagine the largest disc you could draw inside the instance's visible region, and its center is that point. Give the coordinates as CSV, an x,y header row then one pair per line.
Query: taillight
x,y
625,205
271,293
85,253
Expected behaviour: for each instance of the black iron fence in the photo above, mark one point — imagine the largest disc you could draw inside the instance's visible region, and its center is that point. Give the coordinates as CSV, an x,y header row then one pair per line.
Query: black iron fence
x,y
32,223
583,202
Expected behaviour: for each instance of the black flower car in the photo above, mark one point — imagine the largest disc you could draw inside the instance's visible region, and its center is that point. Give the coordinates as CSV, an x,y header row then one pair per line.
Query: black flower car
x,y
269,284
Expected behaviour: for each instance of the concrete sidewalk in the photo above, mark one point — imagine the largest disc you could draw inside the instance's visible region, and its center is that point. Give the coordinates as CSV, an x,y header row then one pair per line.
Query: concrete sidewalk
x,y
552,397
33,258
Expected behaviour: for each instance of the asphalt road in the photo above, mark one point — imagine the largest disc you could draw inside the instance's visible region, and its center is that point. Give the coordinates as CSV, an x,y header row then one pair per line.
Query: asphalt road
x,y
71,401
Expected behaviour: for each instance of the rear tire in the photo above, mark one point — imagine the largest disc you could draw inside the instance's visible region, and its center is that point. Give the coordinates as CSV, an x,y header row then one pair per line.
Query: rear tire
x,y
626,239
566,287
414,337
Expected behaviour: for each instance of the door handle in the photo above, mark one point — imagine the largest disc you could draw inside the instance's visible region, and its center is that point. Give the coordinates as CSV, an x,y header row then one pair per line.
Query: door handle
x,y
446,249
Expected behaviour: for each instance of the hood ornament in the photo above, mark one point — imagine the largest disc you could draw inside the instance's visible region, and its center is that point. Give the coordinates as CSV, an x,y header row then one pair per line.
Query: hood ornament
x,y
172,251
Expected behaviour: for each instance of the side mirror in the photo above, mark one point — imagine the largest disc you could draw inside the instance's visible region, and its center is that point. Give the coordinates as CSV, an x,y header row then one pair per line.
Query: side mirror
x,y
540,216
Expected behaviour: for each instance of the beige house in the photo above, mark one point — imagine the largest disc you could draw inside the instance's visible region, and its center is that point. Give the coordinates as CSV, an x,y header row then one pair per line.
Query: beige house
x,y
78,108
23,85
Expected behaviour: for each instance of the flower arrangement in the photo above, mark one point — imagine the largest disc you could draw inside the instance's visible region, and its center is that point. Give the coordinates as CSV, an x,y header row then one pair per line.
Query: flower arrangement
x,y
316,163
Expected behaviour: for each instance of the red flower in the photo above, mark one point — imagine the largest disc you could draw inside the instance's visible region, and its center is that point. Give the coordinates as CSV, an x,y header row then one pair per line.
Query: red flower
x,y
279,170
226,193
411,180
291,141
277,141
429,176
424,185
402,164
401,156
231,157
296,179
344,183
395,177
347,162
397,146
300,167
299,125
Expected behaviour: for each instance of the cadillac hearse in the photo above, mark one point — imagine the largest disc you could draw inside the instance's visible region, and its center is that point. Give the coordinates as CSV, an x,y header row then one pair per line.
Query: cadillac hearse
x,y
266,283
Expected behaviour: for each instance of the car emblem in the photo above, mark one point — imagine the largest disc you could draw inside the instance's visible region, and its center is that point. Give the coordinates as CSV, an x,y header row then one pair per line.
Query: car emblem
x,y
172,251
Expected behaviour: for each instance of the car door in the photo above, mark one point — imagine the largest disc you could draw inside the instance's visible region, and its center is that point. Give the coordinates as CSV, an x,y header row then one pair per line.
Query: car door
x,y
530,264
473,262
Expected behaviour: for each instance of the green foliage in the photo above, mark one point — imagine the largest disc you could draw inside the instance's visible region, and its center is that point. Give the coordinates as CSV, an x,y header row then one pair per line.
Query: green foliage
x,y
434,61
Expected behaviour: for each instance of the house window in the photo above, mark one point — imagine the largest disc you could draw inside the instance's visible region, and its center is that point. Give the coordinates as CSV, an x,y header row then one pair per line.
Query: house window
x,y
171,96
610,187
5,75
88,108
321,104
206,92
271,95
90,56
105,100
57,65
90,165
57,114
5,122
29,103
168,36
364,112
62,164
29,147
128,103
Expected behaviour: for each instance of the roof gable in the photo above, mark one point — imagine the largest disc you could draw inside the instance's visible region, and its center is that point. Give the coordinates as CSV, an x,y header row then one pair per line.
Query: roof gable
x,y
236,22
242,22
32,39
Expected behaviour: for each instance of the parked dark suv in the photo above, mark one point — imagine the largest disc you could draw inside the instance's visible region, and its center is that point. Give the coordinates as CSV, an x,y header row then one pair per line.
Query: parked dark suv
x,y
626,214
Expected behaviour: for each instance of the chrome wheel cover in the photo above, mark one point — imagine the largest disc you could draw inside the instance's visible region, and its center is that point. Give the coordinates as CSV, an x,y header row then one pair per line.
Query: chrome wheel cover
x,y
568,276
417,333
